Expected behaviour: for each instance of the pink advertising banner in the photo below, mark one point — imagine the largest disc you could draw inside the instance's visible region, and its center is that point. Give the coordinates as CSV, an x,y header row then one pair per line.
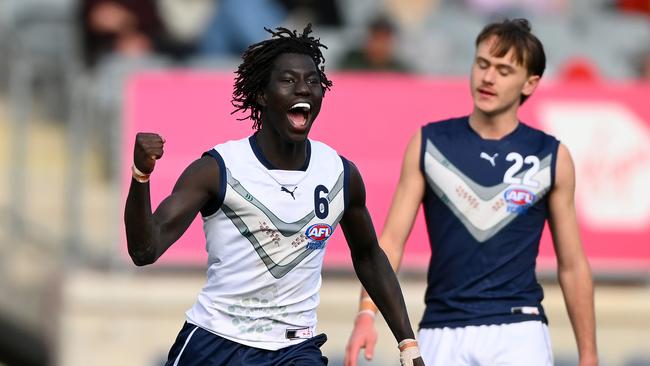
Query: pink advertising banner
x,y
369,119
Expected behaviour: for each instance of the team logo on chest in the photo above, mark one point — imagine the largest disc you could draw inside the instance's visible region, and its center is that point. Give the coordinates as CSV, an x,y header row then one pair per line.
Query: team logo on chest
x,y
518,199
318,235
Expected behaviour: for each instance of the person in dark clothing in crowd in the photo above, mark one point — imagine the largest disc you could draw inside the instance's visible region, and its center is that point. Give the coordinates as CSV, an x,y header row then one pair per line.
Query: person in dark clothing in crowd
x,y
378,52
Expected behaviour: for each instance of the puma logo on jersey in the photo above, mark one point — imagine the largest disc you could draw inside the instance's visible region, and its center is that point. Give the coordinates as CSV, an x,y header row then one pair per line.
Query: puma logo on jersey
x,y
489,158
284,189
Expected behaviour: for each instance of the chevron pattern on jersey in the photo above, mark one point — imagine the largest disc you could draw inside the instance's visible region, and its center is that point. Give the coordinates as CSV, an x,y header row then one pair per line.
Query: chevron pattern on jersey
x,y
279,254
481,209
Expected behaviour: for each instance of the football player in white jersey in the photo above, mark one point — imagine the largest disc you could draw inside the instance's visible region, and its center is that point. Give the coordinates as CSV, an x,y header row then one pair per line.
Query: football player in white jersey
x,y
281,84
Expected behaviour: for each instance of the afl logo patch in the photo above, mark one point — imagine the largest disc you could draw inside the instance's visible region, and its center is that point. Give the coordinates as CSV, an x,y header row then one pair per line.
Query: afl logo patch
x,y
318,235
519,199
319,232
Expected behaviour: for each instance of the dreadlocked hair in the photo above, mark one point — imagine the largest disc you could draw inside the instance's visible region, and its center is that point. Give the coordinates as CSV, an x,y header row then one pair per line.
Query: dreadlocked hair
x,y
253,73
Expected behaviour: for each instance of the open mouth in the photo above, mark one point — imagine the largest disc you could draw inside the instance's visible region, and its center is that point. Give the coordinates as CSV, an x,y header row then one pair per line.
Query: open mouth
x,y
299,114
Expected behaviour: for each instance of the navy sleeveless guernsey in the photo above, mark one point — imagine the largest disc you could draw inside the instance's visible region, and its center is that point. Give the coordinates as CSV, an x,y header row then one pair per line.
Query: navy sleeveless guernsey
x,y
485,206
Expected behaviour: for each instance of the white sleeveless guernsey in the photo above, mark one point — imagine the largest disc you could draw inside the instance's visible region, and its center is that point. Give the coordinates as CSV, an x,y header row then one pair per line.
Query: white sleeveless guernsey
x,y
266,244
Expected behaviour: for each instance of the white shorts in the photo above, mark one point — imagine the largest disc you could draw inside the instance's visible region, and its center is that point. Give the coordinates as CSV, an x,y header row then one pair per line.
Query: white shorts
x,y
526,343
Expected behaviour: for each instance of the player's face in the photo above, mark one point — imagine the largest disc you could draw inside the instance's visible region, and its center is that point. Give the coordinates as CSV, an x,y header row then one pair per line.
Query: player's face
x,y
498,82
292,99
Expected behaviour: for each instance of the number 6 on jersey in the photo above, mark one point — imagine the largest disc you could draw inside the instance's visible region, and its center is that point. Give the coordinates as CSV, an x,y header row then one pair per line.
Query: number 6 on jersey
x,y
321,204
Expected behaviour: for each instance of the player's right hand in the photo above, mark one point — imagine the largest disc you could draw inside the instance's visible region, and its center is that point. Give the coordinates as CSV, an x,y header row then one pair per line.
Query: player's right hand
x,y
148,148
364,335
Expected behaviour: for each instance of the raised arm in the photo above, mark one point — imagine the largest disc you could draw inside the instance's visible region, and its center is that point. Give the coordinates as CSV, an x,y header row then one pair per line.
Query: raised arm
x,y
398,225
371,265
574,272
149,234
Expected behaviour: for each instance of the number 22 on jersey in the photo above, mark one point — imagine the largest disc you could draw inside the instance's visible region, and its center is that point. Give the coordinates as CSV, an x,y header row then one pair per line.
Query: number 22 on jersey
x,y
513,176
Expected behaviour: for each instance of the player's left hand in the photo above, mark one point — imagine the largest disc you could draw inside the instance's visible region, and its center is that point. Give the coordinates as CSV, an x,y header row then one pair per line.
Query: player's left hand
x,y
405,361
409,354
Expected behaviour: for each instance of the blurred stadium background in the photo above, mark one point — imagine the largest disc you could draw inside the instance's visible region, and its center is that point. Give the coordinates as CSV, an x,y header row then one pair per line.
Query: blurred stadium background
x,y
78,77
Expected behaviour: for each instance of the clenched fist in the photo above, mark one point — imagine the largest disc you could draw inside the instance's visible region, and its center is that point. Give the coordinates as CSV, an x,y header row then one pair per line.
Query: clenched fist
x,y
148,148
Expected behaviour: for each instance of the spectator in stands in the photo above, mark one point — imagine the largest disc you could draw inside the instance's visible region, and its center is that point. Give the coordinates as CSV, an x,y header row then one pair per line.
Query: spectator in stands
x,y
319,12
411,14
237,24
130,28
378,52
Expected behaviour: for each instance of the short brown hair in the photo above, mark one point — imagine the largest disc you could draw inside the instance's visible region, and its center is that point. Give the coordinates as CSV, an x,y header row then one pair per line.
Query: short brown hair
x,y
516,34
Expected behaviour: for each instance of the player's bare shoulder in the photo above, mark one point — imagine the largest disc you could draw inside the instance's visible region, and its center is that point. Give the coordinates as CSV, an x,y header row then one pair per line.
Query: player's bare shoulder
x,y
203,173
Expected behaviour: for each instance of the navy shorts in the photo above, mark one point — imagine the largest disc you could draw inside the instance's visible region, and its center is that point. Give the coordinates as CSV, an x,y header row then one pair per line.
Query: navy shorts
x,y
196,346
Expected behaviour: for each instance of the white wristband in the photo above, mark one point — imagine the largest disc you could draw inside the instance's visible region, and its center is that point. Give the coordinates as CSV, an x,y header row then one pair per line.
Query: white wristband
x,y
409,354
139,176
405,342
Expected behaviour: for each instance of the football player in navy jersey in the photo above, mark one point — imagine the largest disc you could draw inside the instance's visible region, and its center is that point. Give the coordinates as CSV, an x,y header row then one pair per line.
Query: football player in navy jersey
x,y
488,183
269,202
